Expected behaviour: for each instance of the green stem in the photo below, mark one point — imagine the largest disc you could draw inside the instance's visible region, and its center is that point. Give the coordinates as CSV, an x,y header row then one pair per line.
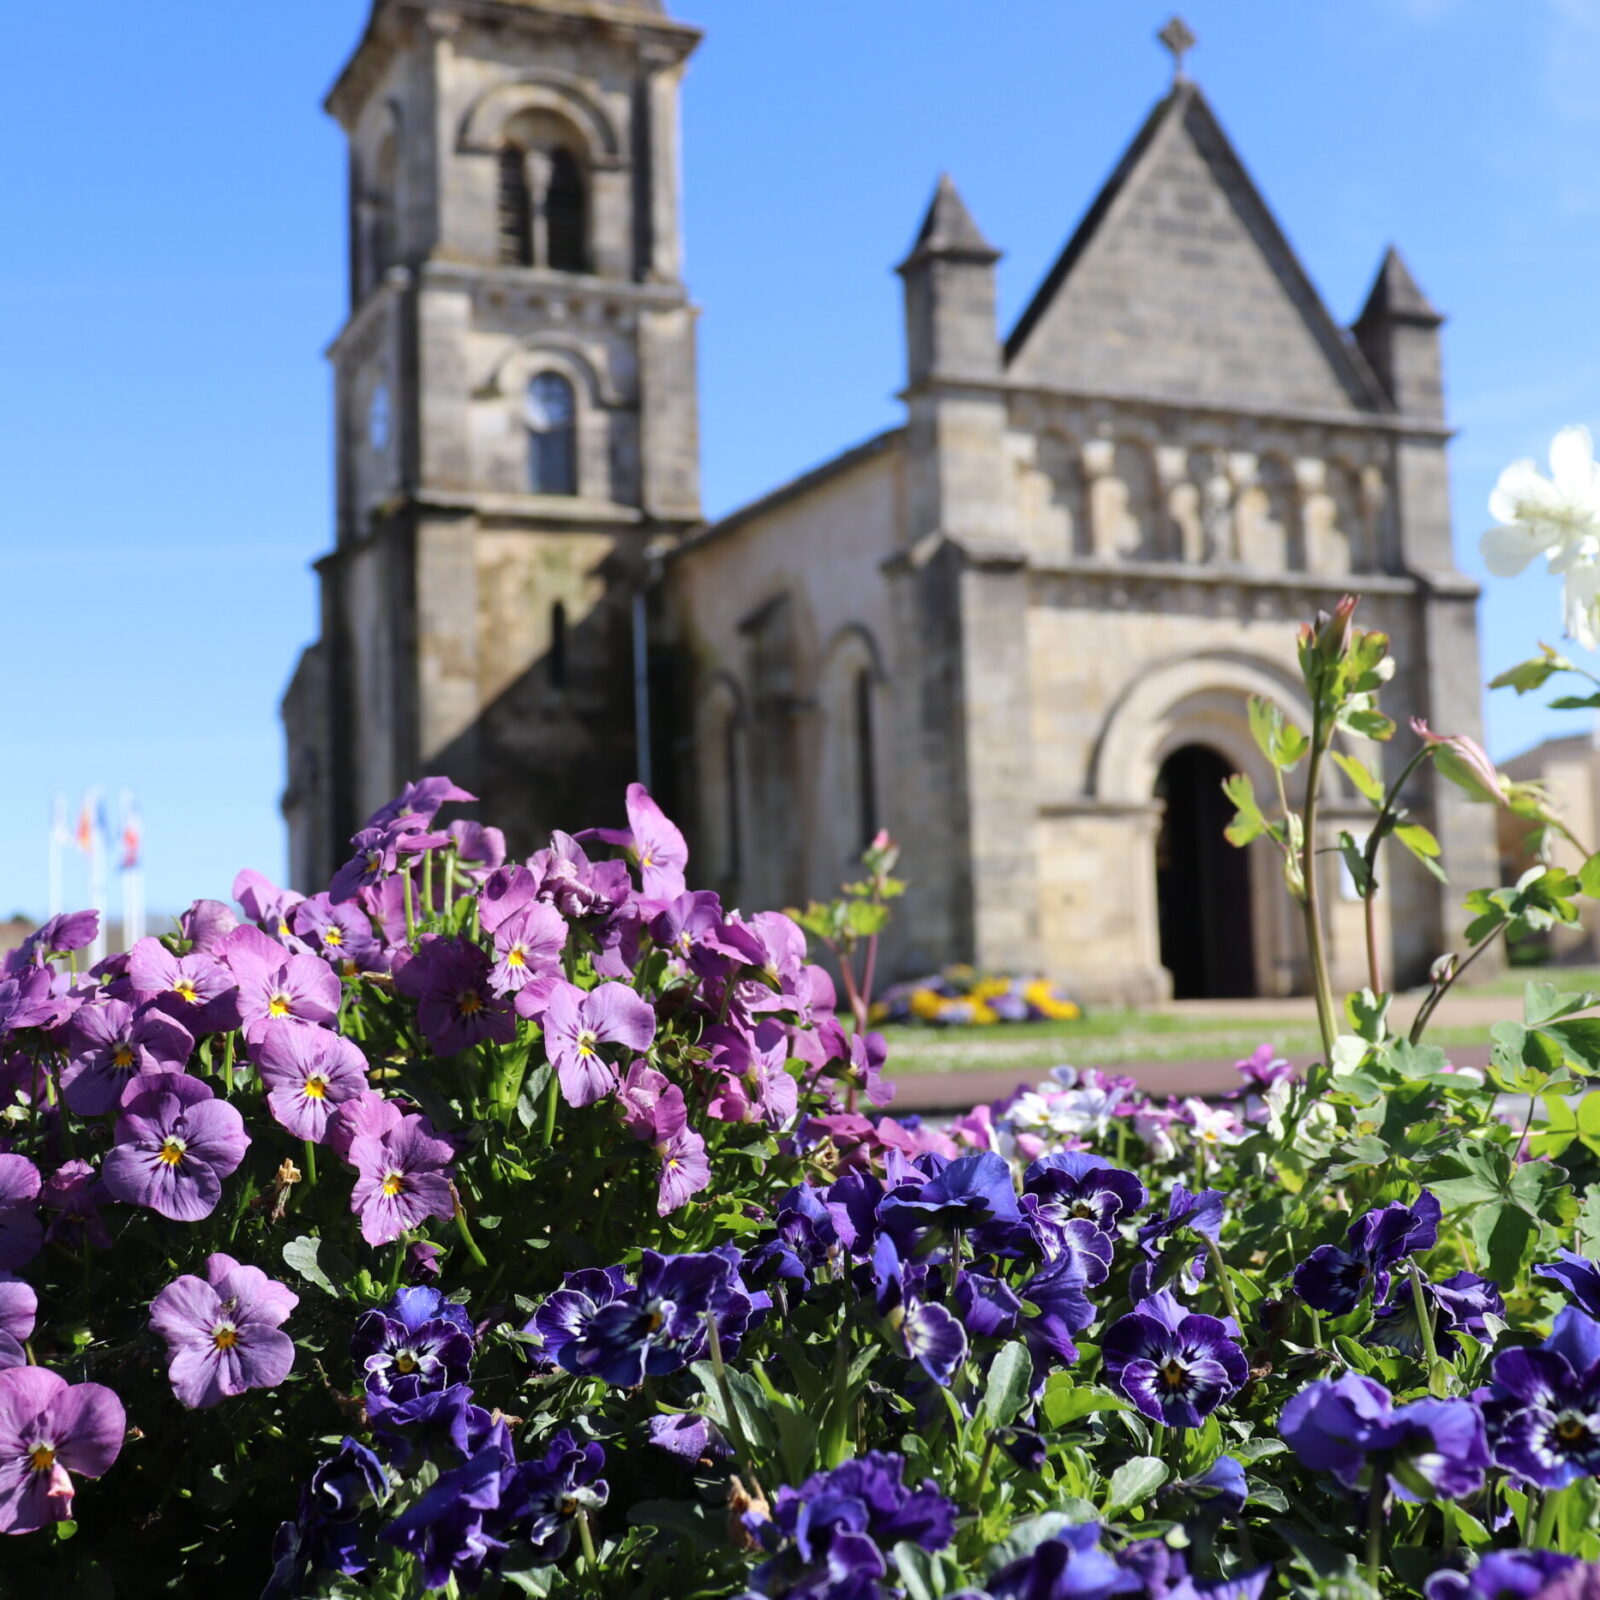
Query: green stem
x,y
1312,903
311,1163
1546,1528
1375,1527
1214,1251
586,1539
551,1095
1426,1010
227,1063
983,1468
411,911
1430,1348
736,1437
466,1232
1380,830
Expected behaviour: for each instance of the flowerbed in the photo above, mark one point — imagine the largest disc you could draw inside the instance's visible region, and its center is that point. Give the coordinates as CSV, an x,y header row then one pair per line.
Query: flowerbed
x,y
960,996
537,1227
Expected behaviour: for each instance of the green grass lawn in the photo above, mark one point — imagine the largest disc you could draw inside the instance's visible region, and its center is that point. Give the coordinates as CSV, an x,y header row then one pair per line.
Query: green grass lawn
x,y
1110,1038
1515,979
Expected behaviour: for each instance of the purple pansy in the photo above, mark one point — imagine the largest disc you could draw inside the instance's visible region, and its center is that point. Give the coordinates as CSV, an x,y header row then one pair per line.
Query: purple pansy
x,y
1069,1566
833,1534
308,1073
974,1191
689,1435
417,1343
224,1331
348,1483
418,803
1177,1367
1578,1275
456,1008
1461,1304
27,1000
175,1143
527,947
75,1191
1334,1280
49,1430
376,856
110,1042
265,904
599,1325
1058,1289
1079,1186
197,989
1430,1449
1543,1408
19,1307
1501,1575
757,1084
403,1179
341,934
69,930
653,842
21,1232
685,1170
578,1025
275,986
206,925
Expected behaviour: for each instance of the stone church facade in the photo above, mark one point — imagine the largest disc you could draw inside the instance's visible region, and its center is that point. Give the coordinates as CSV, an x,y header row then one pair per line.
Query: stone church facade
x,y
1019,630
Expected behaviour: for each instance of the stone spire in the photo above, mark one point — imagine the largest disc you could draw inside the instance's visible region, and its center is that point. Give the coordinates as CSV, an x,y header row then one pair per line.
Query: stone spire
x,y
1398,332
948,229
1395,293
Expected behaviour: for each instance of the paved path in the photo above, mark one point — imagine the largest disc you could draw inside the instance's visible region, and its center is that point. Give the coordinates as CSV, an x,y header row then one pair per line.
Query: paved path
x,y
944,1093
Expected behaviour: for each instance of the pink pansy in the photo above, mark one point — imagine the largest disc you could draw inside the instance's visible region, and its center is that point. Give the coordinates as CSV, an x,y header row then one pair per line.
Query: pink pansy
x,y
577,1026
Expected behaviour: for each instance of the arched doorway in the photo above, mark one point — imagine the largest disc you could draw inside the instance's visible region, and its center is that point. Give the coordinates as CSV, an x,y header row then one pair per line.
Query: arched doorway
x,y
1202,882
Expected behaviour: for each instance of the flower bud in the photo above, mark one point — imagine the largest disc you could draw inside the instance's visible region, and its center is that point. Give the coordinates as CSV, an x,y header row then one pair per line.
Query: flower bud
x,y
1464,762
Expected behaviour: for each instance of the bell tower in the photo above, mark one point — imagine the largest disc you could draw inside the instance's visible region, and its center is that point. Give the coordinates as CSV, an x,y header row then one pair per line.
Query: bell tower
x,y
515,412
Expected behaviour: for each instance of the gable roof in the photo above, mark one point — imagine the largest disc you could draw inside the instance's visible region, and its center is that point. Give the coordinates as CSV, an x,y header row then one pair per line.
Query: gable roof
x,y
1179,282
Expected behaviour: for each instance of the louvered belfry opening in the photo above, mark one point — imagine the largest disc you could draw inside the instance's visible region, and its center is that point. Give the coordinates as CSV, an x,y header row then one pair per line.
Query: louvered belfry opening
x,y
516,209
566,206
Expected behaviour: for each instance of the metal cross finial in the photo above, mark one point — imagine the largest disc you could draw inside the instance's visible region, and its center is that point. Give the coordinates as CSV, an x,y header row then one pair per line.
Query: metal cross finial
x,y
1180,40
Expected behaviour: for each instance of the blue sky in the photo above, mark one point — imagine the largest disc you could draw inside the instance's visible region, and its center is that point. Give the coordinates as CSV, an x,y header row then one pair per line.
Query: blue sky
x,y
174,265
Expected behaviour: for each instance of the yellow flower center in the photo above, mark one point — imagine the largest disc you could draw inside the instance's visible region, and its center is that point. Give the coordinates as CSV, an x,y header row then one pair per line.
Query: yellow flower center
x,y
470,1003
586,1044
122,1056
171,1150
405,1362
514,957
278,1006
283,929
394,1183
225,1337
374,860
42,1457
1570,1428
1173,1373
316,1087
647,860
184,989
332,935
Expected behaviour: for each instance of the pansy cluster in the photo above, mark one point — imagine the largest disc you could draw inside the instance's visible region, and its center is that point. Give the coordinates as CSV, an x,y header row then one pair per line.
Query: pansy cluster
x,y
541,1225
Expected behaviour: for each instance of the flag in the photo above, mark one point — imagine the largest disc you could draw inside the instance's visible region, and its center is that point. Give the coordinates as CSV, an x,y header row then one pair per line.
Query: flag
x,y
131,838
84,837
102,823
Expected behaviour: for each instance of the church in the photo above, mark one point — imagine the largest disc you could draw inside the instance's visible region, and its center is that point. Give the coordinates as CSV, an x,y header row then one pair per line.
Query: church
x,y
1019,630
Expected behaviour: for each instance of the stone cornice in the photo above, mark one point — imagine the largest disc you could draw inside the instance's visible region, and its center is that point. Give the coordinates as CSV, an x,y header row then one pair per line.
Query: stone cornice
x,y
665,39
1135,400
1177,572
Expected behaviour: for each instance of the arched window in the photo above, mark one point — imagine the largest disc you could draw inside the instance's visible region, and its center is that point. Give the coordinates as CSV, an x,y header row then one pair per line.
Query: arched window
x,y
566,221
558,645
516,211
552,419
384,209
866,770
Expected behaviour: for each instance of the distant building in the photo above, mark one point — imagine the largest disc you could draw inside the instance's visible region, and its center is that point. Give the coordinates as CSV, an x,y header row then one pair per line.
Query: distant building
x,y
1569,770
1019,630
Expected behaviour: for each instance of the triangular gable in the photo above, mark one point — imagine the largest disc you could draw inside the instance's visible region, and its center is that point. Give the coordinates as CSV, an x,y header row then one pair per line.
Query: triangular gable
x,y
1179,284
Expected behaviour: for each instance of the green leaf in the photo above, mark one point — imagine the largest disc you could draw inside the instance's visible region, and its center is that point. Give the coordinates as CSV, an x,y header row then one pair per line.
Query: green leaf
x,y
1580,1040
1134,1482
918,1570
1355,861
318,1262
1422,845
1066,1401
1589,877
1532,674
1248,823
1576,702
1010,1380
1506,1238
1360,776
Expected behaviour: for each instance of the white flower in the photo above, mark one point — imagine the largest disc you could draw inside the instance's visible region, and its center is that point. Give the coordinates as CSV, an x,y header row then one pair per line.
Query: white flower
x,y
1556,517
1211,1126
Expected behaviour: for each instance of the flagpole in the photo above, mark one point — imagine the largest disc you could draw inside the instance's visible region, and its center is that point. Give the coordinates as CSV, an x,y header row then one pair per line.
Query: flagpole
x,y
97,875
58,829
132,867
